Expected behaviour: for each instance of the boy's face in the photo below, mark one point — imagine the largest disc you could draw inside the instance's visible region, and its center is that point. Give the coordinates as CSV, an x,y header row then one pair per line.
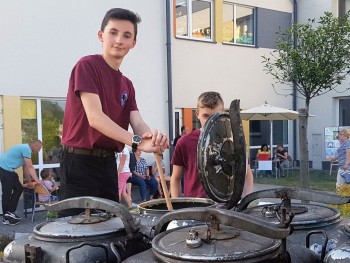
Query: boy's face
x,y
204,113
117,38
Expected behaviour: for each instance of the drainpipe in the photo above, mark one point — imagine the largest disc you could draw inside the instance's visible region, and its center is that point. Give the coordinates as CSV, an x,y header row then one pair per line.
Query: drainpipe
x,y
169,71
294,21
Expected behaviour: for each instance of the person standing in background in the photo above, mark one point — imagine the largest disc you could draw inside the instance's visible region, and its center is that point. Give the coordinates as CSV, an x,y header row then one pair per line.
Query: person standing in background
x,y
343,155
184,131
15,157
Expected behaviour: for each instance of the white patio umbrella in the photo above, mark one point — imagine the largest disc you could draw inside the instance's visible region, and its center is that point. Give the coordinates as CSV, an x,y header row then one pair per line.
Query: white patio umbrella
x,y
270,113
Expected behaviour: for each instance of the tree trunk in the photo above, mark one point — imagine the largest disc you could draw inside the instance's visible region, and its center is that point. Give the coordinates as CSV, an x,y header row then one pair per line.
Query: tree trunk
x,y
304,150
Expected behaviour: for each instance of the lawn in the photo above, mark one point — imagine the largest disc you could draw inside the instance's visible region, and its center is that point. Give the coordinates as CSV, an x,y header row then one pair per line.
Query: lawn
x,y
319,180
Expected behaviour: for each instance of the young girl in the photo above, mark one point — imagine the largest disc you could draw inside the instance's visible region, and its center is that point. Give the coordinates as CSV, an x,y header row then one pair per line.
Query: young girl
x,y
123,160
46,181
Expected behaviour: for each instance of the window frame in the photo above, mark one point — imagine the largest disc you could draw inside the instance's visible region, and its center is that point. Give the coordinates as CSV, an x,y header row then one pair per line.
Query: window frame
x,y
234,6
39,118
189,21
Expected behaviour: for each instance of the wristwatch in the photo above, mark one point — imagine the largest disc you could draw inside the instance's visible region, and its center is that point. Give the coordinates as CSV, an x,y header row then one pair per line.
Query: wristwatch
x,y
136,140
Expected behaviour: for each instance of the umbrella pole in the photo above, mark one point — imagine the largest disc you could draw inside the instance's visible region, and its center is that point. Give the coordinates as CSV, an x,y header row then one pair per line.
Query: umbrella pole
x,y
271,138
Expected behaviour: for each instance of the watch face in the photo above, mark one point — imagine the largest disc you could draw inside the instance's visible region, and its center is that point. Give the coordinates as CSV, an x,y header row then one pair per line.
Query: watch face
x,y
137,139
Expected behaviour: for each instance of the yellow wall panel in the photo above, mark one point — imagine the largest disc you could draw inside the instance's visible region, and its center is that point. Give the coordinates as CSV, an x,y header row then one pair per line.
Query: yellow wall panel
x,y
12,123
218,18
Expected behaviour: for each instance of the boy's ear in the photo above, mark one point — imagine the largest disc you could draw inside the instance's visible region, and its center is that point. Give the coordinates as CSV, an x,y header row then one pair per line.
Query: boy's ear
x,y
134,44
100,36
197,113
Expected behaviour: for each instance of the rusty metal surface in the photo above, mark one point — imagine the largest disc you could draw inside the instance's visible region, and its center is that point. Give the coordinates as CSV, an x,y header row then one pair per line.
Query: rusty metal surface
x,y
227,218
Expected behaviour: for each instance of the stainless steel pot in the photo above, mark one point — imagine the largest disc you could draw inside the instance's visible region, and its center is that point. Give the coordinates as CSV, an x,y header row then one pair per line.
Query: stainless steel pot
x,y
309,216
84,238
151,211
223,236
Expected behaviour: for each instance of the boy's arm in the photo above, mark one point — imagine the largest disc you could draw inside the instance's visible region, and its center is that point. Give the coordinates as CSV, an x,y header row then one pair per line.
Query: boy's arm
x,y
175,181
101,122
248,183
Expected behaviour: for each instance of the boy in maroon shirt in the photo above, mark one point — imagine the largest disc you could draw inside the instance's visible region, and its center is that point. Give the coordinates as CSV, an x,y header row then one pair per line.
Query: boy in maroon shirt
x,y
185,153
100,107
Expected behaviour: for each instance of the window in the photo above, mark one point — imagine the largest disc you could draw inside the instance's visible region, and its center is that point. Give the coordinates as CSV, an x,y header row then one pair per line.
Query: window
x,y
344,112
194,19
343,7
42,119
238,24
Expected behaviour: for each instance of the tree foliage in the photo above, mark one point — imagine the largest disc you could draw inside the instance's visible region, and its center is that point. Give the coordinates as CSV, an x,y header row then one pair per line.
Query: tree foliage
x,y
314,57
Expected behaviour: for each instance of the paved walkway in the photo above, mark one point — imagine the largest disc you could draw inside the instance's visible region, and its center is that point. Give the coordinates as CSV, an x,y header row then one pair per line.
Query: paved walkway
x,y
27,226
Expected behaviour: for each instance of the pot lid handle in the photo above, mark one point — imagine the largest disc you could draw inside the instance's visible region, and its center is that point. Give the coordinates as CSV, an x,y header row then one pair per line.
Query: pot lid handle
x,y
225,217
90,202
286,193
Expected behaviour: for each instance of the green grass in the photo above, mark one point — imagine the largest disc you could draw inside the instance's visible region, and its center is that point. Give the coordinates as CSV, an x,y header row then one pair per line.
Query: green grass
x,y
319,180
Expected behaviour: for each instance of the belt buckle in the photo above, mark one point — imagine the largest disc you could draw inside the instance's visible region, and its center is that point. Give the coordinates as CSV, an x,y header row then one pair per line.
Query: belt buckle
x,y
103,153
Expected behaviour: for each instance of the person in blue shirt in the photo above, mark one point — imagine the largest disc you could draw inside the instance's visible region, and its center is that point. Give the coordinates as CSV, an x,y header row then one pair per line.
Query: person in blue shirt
x,y
17,156
343,156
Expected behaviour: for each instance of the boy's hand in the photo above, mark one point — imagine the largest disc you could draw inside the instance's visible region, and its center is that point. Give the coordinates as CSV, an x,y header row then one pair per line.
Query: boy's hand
x,y
154,141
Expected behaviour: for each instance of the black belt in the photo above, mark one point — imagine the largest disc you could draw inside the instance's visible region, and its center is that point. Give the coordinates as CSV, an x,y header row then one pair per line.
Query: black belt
x,y
92,152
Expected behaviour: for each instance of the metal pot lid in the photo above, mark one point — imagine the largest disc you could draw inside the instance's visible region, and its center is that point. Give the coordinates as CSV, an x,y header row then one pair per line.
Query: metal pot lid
x,y
314,215
63,230
229,244
222,158
159,207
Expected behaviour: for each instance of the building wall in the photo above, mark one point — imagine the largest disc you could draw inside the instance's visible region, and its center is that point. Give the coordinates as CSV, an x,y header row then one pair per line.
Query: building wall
x,y
234,71
44,39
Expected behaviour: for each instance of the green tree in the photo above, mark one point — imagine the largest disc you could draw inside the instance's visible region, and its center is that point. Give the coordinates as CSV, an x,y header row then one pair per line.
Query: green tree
x,y
313,58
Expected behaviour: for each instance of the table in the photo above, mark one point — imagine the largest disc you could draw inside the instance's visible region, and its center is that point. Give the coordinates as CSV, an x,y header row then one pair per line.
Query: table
x,y
274,164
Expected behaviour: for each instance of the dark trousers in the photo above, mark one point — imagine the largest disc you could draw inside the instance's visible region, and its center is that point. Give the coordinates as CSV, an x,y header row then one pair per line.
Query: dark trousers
x,y
11,190
152,183
84,175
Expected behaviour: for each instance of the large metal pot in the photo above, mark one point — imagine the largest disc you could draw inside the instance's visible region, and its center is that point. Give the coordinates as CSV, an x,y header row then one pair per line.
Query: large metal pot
x,y
224,236
308,216
222,168
151,211
83,238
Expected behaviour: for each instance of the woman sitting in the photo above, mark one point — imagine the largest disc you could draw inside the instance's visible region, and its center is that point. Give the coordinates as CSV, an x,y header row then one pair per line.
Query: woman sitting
x,y
264,154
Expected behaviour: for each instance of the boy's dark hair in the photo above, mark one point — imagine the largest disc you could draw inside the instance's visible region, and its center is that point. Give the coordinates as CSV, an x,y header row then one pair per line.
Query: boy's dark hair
x,y
209,99
183,128
45,173
121,14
